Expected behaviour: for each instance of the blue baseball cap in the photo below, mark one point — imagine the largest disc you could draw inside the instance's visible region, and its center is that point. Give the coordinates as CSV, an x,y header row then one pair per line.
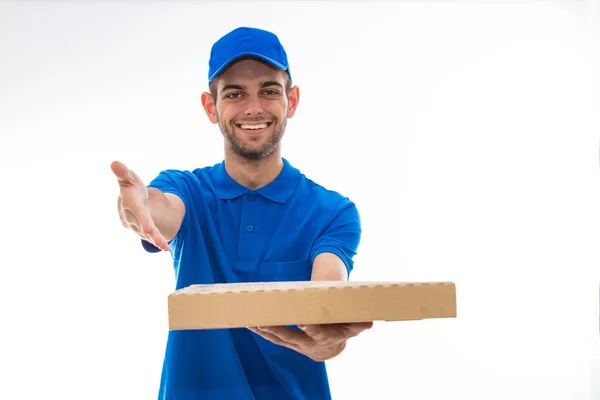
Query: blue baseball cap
x,y
245,41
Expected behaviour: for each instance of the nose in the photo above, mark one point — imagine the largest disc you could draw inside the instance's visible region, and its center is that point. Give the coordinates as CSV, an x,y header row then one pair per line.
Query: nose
x,y
253,106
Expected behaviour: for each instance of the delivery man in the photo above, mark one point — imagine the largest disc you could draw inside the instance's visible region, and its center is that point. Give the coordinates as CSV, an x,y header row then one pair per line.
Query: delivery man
x,y
252,217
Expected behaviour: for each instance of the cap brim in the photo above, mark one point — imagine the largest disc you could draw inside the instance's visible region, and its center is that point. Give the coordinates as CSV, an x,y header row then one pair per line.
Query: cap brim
x,y
271,61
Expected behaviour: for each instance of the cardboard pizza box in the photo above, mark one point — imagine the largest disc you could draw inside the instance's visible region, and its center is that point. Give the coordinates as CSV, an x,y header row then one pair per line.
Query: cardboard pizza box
x,y
237,305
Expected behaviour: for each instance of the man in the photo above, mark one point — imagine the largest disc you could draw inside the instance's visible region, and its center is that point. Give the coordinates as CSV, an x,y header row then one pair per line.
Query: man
x,y
253,217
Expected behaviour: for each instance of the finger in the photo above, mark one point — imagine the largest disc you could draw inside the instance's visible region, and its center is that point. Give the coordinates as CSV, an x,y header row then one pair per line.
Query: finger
x,y
286,334
315,331
136,224
342,332
131,220
358,327
136,219
139,220
150,232
331,334
153,236
139,215
120,170
159,240
125,176
275,339
122,215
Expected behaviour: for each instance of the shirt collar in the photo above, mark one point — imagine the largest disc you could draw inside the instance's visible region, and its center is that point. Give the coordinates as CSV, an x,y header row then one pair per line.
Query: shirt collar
x,y
278,190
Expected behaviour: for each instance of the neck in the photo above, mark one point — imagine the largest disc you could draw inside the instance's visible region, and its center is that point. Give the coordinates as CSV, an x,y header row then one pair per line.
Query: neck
x,y
253,174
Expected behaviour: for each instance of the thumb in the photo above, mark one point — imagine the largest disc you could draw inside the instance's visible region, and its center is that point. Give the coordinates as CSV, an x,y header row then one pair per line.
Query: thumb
x,y
120,170
311,330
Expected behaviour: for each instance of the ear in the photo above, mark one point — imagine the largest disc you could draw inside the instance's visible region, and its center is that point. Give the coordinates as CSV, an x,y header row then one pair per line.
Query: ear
x,y
209,107
293,100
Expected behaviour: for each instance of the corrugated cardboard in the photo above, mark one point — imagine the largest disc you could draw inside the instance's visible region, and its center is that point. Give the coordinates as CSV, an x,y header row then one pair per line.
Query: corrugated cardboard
x,y
313,302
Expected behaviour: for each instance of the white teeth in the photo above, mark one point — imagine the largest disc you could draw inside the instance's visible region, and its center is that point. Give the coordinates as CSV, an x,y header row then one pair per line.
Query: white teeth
x,y
260,126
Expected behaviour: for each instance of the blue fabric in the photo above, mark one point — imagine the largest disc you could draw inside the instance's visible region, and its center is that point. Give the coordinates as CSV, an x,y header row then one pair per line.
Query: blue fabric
x,y
247,42
233,234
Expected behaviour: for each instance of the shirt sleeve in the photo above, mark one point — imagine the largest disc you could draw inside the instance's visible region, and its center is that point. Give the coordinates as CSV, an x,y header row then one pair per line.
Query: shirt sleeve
x,y
341,236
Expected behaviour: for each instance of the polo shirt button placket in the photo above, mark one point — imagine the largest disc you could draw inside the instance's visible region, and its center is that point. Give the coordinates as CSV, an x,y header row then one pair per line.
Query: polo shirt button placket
x,y
251,199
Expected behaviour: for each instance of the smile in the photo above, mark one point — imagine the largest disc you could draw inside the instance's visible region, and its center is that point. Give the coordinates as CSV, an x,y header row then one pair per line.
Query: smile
x,y
254,126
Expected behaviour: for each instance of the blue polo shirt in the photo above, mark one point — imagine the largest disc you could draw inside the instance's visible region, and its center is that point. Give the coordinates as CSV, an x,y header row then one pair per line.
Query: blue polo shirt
x,y
232,234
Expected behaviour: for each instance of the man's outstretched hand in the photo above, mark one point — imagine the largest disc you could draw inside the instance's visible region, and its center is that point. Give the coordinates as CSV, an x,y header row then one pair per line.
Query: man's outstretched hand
x,y
133,207
318,342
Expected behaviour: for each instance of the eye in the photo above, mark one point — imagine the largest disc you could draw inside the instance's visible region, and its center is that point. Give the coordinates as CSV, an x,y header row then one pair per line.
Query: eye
x,y
271,92
233,95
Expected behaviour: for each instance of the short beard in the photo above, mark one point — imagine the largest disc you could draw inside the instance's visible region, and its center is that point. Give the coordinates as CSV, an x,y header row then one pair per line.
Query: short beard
x,y
247,153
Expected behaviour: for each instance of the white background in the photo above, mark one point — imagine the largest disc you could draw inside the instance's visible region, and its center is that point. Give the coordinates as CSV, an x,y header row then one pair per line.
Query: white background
x,y
467,133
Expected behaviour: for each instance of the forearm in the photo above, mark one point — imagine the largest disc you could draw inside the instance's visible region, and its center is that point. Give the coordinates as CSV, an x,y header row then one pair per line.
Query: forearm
x,y
328,267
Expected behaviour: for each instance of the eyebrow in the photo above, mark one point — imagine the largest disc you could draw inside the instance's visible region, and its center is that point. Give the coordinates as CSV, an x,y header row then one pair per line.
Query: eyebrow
x,y
233,86
271,83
